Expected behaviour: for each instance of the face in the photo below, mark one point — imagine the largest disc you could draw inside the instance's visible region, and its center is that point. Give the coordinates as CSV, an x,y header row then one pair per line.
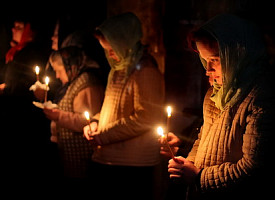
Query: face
x,y
17,31
55,38
60,72
111,53
212,58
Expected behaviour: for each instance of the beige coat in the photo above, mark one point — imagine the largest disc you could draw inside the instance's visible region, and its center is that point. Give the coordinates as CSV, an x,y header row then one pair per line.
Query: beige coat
x,y
234,146
129,116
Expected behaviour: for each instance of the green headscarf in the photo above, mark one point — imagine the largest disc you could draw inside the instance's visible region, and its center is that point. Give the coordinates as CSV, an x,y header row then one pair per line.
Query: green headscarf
x,y
123,32
243,57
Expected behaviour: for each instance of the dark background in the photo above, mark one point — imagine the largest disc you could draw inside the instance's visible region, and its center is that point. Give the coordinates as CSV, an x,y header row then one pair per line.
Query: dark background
x,y
166,23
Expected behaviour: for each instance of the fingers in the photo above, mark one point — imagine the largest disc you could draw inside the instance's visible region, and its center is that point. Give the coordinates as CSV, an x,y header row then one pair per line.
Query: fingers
x,y
175,172
176,162
87,132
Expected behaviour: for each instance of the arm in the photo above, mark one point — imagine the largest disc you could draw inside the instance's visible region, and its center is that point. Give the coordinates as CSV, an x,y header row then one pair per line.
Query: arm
x,y
256,149
147,96
192,154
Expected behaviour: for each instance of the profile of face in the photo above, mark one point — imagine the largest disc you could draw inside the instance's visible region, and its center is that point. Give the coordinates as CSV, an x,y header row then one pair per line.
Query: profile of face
x,y
107,47
60,71
17,31
54,37
213,62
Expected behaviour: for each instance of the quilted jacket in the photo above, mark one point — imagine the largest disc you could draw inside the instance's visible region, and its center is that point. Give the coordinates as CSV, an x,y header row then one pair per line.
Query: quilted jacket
x,y
234,146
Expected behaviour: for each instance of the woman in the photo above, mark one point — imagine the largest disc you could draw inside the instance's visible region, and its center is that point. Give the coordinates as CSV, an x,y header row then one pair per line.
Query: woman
x,y
81,91
230,158
17,75
125,127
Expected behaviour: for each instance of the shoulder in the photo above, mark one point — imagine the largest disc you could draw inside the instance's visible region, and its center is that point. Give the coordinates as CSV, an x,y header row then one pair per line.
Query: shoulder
x,y
147,64
262,94
148,60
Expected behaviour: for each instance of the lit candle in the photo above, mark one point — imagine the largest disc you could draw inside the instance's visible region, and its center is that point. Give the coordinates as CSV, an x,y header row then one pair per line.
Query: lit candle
x,y
47,80
160,132
37,72
87,115
169,114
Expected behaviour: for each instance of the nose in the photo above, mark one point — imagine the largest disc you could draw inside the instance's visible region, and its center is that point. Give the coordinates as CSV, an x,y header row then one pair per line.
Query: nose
x,y
209,69
57,75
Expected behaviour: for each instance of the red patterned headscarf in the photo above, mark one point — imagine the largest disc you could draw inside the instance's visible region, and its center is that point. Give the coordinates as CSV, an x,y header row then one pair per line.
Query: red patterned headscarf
x,y
27,36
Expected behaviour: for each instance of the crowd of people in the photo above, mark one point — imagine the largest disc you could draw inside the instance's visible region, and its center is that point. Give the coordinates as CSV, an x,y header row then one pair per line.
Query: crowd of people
x,y
115,152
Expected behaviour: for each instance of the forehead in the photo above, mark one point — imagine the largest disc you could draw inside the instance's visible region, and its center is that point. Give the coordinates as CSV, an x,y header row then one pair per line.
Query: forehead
x,y
207,50
57,63
19,24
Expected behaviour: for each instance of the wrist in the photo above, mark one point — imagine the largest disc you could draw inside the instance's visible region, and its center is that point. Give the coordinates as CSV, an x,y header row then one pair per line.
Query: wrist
x,y
198,179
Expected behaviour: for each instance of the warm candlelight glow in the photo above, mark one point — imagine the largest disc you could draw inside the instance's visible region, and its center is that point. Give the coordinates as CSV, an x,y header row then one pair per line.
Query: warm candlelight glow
x,y
169,111
160,131
47,80
37,70
86,113
169,114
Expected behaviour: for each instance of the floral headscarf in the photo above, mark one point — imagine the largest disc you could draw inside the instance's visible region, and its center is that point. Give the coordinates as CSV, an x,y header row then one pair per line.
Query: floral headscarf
x,y
243,57
123,32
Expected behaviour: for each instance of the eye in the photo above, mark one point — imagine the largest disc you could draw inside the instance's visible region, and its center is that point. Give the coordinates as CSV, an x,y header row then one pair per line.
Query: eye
x,y
214,60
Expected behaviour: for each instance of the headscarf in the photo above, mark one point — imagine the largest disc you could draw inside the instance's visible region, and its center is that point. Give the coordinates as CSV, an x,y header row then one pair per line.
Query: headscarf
x,y
123,32
73,59
243,57
27,36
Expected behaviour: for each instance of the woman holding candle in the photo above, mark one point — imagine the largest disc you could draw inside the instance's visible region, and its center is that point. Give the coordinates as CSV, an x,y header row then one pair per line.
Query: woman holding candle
x,y
126,145
20,120
81,91
231,157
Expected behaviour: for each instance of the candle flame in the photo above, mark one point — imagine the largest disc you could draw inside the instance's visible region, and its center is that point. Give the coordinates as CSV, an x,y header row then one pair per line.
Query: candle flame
x,y
160,131
86,113
37,70
169,111
47,80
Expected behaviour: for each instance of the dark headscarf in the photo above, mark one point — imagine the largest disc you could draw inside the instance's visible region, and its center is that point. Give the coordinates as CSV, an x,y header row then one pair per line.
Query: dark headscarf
x,y
73,59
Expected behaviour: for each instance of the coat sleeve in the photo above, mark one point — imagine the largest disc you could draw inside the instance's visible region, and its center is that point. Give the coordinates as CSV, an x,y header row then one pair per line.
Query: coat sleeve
x,y
148,97
192,154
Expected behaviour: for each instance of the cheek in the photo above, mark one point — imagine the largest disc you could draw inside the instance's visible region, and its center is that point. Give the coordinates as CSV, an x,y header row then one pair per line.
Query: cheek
x,y
219,70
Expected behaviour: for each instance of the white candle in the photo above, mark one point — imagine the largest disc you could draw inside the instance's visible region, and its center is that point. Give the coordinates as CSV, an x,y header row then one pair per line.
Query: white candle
x,y
37,72
169,114
47,80
160,132
87,116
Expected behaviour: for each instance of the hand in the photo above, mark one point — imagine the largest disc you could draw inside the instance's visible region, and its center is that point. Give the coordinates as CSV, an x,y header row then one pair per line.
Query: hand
x,y
173,141
52,114
89,129
2,87
182,168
